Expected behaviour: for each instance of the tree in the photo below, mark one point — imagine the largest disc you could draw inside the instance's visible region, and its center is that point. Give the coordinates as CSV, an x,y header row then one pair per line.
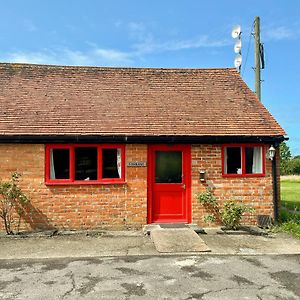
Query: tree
x,y
294,166
285,158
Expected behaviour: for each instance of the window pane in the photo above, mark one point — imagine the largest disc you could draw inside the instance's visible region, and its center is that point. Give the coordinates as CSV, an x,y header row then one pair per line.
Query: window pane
x,y
253,160
111,163
168,166
233,161
59,164
86,165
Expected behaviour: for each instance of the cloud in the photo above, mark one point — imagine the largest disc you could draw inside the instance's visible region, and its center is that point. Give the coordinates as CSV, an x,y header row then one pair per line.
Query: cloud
x,y
110,57
279,33
150,45
143,44
94,56
30,57
113,55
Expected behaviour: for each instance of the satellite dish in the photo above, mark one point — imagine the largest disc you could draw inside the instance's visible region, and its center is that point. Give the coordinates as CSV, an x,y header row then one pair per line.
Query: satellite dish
x,y
238,61
238,46
236,31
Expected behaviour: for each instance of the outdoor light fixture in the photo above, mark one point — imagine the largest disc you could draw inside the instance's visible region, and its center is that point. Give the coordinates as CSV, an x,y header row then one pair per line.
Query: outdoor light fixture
x,y
271,152
202,175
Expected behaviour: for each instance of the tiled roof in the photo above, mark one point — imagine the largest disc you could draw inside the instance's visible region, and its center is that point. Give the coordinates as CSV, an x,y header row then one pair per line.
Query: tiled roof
x,y
65,100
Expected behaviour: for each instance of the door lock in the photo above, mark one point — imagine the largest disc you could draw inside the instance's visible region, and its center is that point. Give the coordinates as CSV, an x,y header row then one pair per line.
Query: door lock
x,y
183,186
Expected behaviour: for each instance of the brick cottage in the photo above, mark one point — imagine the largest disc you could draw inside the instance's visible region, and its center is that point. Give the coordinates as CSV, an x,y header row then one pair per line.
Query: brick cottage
x,y
123,147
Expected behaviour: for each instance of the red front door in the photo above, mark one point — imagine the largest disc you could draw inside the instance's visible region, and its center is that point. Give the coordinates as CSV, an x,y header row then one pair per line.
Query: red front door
x,y
169,184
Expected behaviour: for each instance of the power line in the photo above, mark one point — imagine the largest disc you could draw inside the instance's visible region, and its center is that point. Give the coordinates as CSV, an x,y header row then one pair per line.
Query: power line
x,y
249,43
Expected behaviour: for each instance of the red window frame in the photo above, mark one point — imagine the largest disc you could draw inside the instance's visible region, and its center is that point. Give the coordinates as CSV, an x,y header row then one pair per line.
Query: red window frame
x,y
243,156
71,180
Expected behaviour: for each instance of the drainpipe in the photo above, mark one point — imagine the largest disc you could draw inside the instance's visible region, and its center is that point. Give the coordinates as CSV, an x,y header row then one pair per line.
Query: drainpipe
x,y
275,187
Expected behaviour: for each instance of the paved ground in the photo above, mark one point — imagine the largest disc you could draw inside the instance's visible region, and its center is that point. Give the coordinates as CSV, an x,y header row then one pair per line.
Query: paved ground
x,y
153,277
126,265
121,243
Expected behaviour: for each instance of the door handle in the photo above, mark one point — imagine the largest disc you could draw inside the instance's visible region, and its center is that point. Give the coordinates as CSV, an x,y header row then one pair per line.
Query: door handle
x,y
183,186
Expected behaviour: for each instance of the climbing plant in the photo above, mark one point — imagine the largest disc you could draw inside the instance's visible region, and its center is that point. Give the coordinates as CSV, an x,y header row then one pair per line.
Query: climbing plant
x,y
13,203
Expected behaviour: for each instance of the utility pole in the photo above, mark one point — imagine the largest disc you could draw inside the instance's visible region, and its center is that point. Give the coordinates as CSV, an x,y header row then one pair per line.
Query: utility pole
x,y
257,57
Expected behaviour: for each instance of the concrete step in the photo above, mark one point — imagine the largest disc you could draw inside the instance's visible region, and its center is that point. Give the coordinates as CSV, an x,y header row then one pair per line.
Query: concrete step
x,y
177,240
149,227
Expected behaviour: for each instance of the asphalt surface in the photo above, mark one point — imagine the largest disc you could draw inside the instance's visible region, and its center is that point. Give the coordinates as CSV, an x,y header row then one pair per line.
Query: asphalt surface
x,y
152,277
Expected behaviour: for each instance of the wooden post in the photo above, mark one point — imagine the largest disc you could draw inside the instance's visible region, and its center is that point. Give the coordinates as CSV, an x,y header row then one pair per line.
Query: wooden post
x,y
257,57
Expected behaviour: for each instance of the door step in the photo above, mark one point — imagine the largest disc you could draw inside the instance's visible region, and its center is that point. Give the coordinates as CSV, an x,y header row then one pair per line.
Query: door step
x,y
177,240
149,227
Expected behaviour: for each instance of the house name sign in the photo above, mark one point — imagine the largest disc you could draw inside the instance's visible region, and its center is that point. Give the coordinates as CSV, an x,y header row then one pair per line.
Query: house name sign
x,y
137,164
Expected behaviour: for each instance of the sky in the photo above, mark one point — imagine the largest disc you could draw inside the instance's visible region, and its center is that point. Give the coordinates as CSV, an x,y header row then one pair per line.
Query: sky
x,y
163,34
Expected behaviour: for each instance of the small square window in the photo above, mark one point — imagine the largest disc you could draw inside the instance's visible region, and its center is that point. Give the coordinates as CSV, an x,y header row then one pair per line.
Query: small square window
x,y
111,163
245,160
253,158
233,160
59,164
86,163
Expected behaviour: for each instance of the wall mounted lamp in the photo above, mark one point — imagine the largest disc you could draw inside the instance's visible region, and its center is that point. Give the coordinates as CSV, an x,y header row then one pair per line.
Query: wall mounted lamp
x,y
271,152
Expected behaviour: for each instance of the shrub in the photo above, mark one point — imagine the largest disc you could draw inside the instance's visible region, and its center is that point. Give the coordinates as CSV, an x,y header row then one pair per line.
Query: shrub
x,y
209,218
232,213
12,202
207,198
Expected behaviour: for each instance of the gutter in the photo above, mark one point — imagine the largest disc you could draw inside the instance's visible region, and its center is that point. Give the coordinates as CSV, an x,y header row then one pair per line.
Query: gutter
x,y
138,139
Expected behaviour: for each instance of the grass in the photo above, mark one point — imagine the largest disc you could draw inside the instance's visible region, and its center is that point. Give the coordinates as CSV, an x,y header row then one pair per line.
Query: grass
x,y
290,193
289,223
290,199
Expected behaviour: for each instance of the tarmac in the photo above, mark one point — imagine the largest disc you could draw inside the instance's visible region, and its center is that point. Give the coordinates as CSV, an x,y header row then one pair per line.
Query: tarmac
x,y
82,244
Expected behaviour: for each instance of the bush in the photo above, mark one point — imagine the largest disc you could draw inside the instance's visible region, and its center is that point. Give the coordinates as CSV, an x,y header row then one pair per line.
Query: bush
x,y
207,198
232,213
12,202
294,166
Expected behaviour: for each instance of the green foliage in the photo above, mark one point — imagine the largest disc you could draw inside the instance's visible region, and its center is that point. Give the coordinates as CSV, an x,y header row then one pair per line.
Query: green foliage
x,y
294,166
285,157
285,152
232,212
291,227
286,216
209,218
289,223
288,165
207,198
230,215
12,199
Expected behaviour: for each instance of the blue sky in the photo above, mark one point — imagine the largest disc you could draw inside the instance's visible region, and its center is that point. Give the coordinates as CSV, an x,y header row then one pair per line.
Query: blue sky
x,y
162,33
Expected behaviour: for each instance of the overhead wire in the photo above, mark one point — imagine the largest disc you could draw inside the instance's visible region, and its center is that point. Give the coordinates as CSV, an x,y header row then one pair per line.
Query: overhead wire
x,y
249,44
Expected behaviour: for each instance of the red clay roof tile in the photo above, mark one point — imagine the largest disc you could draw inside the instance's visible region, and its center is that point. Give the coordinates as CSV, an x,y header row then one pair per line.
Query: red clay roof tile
x,y
64,100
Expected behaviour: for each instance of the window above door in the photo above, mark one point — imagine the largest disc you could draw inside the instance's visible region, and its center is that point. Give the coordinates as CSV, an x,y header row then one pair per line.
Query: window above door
x,y
247,160
85,164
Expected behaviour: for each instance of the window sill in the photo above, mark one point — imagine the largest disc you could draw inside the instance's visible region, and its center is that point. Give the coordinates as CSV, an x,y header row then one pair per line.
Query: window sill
x,y
66,183
242,175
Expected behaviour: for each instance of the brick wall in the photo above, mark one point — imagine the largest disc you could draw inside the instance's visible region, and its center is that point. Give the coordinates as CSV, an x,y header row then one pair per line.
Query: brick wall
x,y
253,191
78,206
118,206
